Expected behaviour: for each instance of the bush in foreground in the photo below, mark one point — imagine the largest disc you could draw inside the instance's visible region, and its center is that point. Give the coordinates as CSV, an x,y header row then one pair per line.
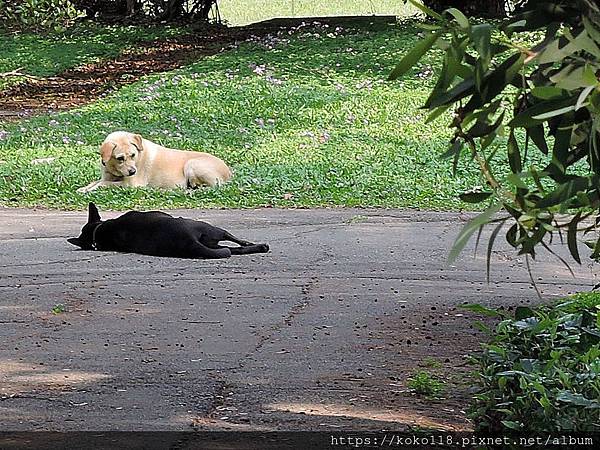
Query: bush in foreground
x,y
541,370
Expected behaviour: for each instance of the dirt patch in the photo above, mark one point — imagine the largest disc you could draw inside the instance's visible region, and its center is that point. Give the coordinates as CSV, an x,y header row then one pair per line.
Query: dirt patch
x,y
84,84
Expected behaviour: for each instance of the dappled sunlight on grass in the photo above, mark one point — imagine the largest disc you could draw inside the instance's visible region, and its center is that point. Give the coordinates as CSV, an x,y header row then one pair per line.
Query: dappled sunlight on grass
x,y
48,54
309,122
239,12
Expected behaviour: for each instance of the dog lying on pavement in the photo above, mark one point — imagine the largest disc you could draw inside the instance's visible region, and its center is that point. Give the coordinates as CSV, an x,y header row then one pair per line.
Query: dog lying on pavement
x,y
130,160
156,233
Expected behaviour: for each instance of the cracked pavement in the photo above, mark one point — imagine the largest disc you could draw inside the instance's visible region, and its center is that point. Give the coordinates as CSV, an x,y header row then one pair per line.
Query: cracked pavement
x,y
319,334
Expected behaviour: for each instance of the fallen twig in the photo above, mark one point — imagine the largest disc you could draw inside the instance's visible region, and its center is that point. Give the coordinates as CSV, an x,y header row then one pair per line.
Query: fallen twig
x,y
17,73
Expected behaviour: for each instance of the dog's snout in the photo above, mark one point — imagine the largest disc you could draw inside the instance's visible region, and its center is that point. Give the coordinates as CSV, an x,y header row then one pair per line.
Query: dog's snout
x,y
132,171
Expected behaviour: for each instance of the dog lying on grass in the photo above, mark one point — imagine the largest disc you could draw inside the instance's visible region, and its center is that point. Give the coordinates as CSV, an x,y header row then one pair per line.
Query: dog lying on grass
x,y
130,160
156,233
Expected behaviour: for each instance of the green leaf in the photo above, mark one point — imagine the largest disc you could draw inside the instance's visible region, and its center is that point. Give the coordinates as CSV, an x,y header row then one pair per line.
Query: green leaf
x,y
496,80
482,327
590,29
572,237
551,53
516,181
589,75
566,191
560,151
481,35
584,42
482,128
512,373
461,90
577,399
461,19
456,147
596,250
511,235
518,24
537,135
468,230
413,56
426,10
490,248
556,112
523,312
454,151
571,78
526,118
547,92
591,331
428,26
436,113
480,309
583,96
512,425
514,155
474,197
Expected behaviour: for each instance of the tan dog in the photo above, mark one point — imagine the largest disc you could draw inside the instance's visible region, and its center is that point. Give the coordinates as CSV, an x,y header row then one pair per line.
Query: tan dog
x,y
130,160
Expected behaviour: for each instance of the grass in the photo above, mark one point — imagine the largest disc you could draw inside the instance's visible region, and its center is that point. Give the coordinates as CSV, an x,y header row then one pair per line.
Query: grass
x,y
243,12
44,55
237,12
58,309
423,383
324,130
431,363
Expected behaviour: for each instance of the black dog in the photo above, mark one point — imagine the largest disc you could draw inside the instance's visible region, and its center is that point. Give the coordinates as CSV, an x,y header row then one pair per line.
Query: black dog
x,y
159,234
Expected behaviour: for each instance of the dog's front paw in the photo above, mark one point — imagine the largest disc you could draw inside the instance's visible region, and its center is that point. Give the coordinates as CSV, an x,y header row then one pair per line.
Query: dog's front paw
x,y
83,190
89,188
263,248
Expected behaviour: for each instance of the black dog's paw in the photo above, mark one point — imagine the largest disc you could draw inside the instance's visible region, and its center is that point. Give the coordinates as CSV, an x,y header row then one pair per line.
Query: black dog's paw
x,y
263,248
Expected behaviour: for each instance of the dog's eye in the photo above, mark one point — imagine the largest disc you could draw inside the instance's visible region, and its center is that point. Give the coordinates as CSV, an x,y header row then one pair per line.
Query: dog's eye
x,y
121,158
132,155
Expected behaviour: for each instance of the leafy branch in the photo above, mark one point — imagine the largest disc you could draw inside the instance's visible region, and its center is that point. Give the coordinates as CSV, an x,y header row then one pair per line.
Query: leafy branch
x,y
529,89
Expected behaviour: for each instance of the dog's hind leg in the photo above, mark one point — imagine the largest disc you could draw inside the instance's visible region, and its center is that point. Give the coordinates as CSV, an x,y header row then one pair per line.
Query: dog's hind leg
x,y
227,236
248,249
198,173
201,251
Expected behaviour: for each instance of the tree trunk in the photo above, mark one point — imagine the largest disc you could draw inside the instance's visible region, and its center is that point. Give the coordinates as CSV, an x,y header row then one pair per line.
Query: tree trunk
x,y
173,10
205,8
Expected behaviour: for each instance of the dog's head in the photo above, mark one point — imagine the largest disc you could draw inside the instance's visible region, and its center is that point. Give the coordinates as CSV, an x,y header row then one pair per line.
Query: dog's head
x,y
120,152
86,238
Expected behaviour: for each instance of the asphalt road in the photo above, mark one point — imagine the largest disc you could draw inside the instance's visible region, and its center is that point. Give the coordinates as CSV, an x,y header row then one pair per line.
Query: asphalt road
x,y
319,334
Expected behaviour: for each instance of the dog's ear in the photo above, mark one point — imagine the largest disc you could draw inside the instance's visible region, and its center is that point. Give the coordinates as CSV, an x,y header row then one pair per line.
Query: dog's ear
x,y
75,241
137,140
93,214
106,150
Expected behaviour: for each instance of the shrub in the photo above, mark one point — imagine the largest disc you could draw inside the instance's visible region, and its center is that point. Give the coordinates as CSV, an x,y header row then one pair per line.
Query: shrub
x,y
149,10
541,370
38,15
423,383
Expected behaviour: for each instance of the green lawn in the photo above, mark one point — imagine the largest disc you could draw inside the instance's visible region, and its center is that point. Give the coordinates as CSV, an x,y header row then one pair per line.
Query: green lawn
x,y
45,55
309,122
242,12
